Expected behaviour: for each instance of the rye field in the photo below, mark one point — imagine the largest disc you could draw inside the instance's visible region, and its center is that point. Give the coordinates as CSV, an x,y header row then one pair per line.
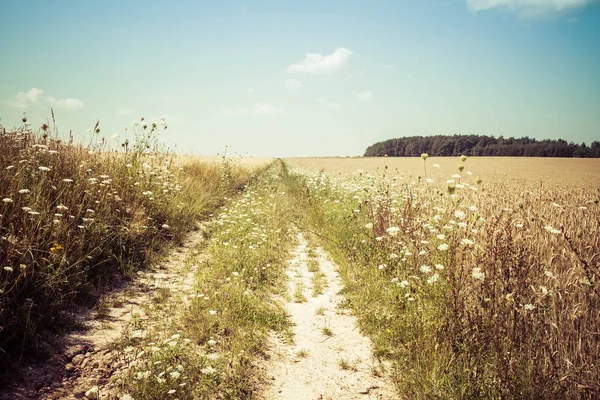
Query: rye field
x,y
345,278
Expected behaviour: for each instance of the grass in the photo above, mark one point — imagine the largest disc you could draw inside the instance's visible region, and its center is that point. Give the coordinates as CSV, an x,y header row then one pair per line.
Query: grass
x,y
72,217
320,311
299,296
472,289
232,308
313,264
326,331
319,283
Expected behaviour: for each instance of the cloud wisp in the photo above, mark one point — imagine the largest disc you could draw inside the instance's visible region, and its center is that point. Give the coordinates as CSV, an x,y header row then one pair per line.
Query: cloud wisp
x,y
531,8
36,97
317,63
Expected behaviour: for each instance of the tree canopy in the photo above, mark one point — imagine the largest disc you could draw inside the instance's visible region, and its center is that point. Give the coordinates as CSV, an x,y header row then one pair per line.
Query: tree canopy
x,y
476,145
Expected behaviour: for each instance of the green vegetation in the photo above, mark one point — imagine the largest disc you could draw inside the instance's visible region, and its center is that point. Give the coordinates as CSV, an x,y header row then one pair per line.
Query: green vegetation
x,y
223,330
475,145
72,216
471,292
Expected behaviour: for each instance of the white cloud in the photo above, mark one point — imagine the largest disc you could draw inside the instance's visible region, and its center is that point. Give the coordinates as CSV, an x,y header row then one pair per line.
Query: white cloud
x,y
257,109
329,105
24,99
293,84
314,62
66,104
531,8
365,96
36,96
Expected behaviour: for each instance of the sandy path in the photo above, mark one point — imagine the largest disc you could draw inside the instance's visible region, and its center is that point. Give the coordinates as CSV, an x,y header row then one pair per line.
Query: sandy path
x,y
318,366
87,358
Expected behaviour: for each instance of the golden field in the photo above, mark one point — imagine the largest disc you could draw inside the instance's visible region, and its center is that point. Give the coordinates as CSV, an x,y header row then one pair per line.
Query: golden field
x,y
575,172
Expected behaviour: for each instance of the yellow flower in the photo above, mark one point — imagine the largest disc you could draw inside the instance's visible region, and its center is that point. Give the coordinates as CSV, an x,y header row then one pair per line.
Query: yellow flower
x,y
56,249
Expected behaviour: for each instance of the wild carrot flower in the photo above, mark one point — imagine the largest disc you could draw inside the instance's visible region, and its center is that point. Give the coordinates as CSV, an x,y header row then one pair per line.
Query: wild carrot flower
x,y
7,200
529,307
45,169
24,191
552,230
393,230
208,370
477,274
443,247
425,269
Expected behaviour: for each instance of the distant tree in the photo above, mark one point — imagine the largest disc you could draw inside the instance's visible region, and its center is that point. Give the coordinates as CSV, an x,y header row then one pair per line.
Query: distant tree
x,y
476,145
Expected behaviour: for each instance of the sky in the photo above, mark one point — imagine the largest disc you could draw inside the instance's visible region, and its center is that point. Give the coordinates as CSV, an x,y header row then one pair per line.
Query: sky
x,y
283,78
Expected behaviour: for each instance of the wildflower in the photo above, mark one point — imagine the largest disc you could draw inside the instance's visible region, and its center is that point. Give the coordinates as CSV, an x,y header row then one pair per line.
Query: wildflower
x,y
175,374
127,396
369,226
552,230
403,284
433,278
208,370
212,312
26,209
443,247
544,290
528,307
93,393
393,230
8,269
424,156
425,269
463,158
7,200
467,242
24,191
477,274
61,207
439,267
57,248
211,342
171,391
436,165
459,214
165,226
45,169
441,236
10,167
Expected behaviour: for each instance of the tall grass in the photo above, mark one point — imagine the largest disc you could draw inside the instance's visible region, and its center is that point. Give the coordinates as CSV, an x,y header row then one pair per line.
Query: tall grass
x,y
72,216
473,290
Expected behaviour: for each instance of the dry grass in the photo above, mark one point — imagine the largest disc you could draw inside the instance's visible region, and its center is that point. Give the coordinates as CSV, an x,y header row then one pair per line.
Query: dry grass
x,y
476,291
574,173
72,216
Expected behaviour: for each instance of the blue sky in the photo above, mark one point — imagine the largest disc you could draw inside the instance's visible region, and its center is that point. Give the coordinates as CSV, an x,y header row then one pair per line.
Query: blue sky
x,y
304,78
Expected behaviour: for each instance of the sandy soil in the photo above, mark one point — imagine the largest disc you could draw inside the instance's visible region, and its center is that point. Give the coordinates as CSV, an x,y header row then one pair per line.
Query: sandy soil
x,y
311,367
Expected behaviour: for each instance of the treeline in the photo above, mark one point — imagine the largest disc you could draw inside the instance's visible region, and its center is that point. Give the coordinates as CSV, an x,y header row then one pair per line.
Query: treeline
x,y
475,145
